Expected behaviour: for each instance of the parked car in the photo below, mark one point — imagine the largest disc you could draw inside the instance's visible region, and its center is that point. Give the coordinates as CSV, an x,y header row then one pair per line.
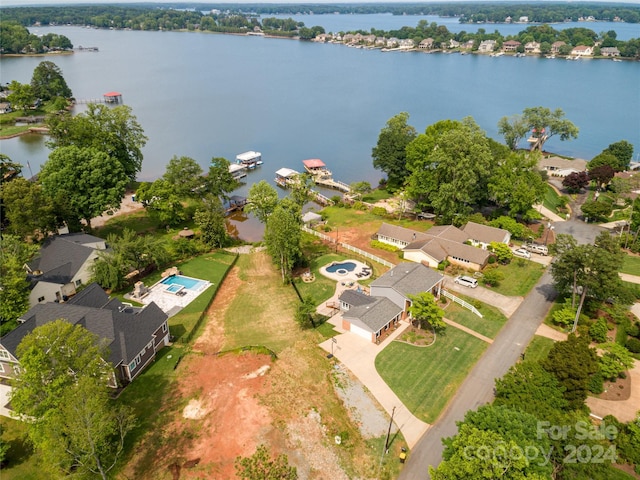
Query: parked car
x,y
521,252
466,281
537,248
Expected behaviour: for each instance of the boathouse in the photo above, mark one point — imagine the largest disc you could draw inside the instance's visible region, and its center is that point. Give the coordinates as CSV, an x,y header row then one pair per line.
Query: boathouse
x,y
286,176
249,159
317,168
112,97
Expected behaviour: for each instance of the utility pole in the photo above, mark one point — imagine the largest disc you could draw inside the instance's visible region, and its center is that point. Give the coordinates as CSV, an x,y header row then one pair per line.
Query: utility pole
x,y
386,442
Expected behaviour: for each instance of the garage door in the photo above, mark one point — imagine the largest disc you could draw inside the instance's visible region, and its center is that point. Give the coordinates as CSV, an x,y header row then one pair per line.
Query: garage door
x,y
360,332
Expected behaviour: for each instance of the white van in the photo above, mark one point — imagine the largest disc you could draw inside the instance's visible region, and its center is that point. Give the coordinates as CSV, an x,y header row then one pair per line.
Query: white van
x,y
466,281
537,248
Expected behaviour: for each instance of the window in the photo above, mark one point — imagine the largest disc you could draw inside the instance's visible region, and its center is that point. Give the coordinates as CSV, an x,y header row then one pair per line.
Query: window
x,y
132,365
137,360
164,327
78,283
150,345
4,354
41,299
1,367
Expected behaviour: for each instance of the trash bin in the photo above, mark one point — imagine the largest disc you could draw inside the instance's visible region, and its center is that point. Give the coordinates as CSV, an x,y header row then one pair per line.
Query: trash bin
x,y
403,455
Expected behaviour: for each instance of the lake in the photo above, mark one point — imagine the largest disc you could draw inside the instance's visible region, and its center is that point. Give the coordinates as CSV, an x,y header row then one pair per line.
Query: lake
x,y
204,95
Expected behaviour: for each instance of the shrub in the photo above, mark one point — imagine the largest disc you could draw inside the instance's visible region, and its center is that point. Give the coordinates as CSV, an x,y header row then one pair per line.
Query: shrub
x,y
384,246
492,259
565,316
492,277
633,330
379,211
598,330
633,345
359,206
596,383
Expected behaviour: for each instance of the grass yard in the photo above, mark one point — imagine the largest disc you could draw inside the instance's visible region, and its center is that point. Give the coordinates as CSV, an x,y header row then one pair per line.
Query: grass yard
x,y
376,195
425,378
631,265
551,199
538,349
489,325
20,463
263,309
322,288
350,218
212,267
520,276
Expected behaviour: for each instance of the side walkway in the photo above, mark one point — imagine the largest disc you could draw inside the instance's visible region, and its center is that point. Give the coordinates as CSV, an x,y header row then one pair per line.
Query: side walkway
x,y
467,330
358,355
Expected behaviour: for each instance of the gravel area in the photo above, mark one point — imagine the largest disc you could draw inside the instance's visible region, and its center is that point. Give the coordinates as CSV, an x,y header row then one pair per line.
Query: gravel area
x,y
362,407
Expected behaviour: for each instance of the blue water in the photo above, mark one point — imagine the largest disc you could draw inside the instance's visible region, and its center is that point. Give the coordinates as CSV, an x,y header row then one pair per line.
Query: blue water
x,y
186,282
348,266
174,288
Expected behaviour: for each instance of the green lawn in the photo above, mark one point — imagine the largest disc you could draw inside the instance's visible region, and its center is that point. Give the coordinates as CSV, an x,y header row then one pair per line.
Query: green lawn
x,y
631,265
322,288
425,378
538,348
20,463
348,217
551,199
519,277
376,195
489,325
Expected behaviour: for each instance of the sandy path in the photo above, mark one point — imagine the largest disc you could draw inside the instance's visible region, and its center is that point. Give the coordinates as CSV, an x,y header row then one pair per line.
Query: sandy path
x,y
126,206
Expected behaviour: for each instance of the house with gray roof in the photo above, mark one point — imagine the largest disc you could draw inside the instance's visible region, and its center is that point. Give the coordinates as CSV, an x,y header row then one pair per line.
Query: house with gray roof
x,y
444,242
132,335
62,265
482,235
369,316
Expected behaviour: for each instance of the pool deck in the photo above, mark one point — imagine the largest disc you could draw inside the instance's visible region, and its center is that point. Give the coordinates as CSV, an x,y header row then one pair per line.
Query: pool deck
x,y
349,276
171,303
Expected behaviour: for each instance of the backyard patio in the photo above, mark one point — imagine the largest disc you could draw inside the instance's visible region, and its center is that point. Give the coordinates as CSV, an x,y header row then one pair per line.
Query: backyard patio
x,y
170,297
346,271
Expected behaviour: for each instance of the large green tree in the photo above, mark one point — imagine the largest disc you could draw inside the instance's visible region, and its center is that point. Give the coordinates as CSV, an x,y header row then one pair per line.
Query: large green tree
x,y
27,210
389,154
219,180
573,363
62,389
210,218
425,311
513,129
162,202
185,174
48,82
450,168
545,124
86,433
21,96
516,184
283,236
623,151
53,357
14,287
530,388
90,180
262,200
112,130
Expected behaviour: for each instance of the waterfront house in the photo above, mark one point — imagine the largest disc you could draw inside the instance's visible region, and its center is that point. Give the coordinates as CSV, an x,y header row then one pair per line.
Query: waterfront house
x,y
610,52
5,107
487,46
510,45
453,44
381,42
368,39
561,167
556,46
438,244
582,51
468,45
406,43
392,42
369,316
532,47
523,19
426,44
62,265
133,335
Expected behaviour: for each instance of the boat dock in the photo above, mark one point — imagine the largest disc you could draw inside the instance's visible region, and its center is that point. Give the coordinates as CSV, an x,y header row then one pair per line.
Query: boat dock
x,y
286,177
235,202
249,160
323,176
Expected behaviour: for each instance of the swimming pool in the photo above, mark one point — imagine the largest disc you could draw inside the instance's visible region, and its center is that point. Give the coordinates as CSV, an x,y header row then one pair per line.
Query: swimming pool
x,y
174,288
186,282
341,267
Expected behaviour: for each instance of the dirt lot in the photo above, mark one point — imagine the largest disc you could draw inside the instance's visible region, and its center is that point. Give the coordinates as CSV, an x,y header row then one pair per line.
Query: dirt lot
x,y
230,404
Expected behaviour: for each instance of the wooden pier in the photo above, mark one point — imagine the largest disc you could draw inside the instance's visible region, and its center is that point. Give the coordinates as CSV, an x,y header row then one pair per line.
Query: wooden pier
x,y
286,177
322,175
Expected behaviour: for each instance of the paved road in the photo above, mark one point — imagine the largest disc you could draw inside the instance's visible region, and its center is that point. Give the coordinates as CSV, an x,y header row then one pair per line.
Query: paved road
x,y
477,389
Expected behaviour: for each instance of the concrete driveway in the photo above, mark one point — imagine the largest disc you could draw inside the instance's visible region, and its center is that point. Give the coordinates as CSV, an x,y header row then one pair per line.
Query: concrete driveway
x,y
358,355
506,305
